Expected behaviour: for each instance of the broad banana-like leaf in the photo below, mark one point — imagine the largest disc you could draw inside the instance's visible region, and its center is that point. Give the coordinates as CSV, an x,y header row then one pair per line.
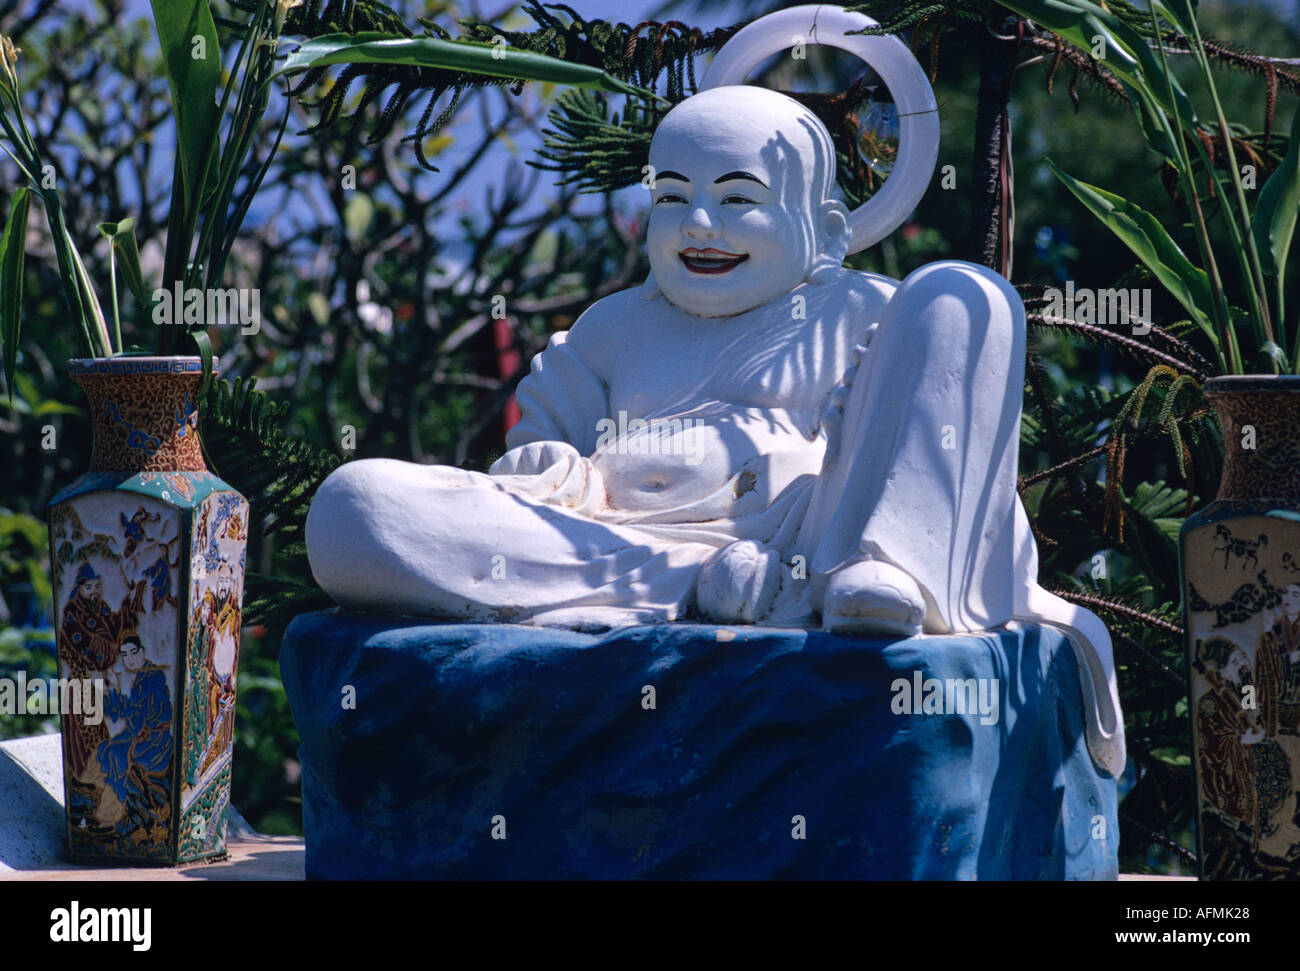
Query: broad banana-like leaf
x,y
492,60
1142,233
192,54
1274,221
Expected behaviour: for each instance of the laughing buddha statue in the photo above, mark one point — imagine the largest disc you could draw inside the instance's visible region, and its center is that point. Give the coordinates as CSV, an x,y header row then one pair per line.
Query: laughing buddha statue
x,y
755,435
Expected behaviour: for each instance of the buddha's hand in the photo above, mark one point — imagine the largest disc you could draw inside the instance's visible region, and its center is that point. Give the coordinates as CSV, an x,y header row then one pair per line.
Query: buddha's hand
x,y
534,458
554,472
833,414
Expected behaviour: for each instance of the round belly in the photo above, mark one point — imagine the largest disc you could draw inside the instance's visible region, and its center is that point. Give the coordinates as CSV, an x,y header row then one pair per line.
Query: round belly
x,y
666,463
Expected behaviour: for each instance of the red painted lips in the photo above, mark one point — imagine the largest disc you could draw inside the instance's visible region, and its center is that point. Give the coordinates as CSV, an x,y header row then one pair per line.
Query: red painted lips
x,y
710,260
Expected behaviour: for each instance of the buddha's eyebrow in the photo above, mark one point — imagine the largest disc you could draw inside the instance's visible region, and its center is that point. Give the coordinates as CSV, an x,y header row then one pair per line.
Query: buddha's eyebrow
x,y
735,175
670,174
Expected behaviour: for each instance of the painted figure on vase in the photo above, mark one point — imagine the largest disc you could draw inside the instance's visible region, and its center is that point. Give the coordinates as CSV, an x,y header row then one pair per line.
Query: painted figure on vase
x,y
755,435
1279,664
1230,729
1245,774
135,760
92,631
220,616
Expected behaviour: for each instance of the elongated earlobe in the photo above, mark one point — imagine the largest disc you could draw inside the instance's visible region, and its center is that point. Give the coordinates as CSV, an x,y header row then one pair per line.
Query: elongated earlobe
x,y
834,238
825,269
650,289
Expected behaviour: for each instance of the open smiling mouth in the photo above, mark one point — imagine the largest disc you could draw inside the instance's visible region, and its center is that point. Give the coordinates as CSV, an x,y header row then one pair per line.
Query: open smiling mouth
x,y
711,260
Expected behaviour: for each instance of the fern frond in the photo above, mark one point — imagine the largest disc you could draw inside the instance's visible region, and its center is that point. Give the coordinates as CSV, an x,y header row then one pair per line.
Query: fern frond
x,y
1106,335
278,476
1115,607
1184,417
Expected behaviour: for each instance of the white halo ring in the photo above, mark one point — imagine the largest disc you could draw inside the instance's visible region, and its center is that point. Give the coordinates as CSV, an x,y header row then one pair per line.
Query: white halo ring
x,y
918,136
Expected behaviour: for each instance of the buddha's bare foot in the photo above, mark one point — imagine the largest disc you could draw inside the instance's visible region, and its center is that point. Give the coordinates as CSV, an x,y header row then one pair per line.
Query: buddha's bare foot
x,y
738,583
872,597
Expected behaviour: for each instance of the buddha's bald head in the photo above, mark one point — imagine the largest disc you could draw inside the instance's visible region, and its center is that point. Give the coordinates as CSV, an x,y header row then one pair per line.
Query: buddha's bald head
x,y
742,208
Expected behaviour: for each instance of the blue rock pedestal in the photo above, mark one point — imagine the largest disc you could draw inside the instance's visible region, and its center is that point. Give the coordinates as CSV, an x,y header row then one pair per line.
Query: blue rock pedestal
x,y
421,742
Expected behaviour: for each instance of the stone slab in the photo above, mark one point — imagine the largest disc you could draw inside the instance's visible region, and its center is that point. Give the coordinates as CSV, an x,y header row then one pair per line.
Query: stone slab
x,y
32,824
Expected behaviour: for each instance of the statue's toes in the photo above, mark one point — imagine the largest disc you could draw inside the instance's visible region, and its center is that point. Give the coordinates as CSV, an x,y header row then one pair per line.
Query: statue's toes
x,y
872,597
738,583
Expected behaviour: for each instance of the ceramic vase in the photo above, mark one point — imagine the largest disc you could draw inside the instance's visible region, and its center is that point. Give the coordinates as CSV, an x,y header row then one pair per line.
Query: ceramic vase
x,y
147,555
1240,561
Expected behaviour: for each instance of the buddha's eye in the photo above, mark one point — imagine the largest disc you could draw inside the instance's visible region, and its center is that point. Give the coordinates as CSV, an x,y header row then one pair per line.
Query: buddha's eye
x,y
735,199
669,198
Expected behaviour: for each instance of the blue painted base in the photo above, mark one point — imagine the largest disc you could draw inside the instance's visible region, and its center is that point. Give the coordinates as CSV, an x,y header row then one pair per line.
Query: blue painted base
x,y
545,737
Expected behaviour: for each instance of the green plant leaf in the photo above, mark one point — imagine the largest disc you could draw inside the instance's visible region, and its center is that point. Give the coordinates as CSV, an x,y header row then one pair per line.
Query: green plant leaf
x,y
121,235
1153,123
1272,350
204,344
193,56
1142,233
1180,13
471,57
89,299
13,253
1274,221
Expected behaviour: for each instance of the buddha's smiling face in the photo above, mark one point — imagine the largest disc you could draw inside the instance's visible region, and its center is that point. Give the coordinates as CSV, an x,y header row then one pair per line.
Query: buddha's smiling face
x,y
739,209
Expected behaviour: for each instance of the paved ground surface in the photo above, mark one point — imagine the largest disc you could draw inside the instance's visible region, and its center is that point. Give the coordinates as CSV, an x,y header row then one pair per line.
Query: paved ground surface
x,y
262,858
32,830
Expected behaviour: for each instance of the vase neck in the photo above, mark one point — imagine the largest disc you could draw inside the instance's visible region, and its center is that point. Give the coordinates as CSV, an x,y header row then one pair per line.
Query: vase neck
x,y
144,413
1261,437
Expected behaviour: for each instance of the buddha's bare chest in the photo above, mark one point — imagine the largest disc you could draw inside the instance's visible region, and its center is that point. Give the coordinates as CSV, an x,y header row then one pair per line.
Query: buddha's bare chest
x,y
791,372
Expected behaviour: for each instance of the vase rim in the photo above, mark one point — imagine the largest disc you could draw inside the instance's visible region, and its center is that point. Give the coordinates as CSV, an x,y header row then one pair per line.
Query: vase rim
x,y
140,364
1252,382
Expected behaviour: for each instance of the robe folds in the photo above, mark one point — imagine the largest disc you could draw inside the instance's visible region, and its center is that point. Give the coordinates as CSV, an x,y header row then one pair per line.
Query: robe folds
x,y
146,738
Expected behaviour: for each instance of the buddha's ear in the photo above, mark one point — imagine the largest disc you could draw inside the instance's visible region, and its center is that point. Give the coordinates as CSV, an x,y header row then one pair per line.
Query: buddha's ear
x,y
833,222
833,236
650,289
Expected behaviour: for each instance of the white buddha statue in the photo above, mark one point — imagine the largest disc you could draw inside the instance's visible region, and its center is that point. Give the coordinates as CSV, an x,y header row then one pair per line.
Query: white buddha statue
x,y
755,435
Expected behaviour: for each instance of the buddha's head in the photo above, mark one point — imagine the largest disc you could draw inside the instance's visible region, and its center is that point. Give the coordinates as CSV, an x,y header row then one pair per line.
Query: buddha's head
x,y
741,206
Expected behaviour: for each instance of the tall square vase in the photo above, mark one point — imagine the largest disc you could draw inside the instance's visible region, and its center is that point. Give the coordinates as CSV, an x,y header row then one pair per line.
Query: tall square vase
x,y
1241,598
147,551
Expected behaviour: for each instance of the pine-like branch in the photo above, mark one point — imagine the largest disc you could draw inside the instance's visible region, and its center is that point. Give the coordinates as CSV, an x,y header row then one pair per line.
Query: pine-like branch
x,y
1117,608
